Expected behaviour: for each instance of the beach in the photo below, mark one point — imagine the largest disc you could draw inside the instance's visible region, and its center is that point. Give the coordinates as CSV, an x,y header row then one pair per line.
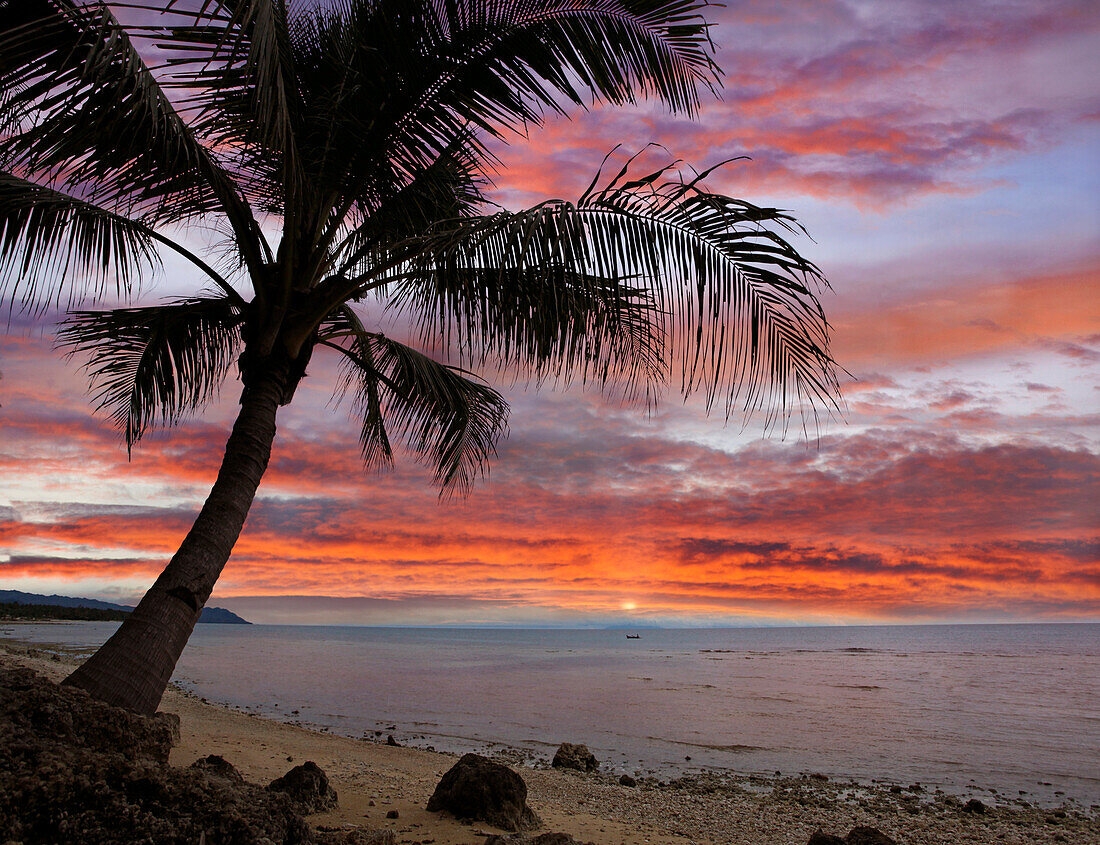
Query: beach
x,y
374,779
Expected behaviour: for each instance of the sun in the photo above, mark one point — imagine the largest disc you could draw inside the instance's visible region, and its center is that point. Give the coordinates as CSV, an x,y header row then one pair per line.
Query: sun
x,y
628,605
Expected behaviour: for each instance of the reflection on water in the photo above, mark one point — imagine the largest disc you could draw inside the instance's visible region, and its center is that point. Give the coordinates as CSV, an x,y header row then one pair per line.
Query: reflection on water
x,y
1013,707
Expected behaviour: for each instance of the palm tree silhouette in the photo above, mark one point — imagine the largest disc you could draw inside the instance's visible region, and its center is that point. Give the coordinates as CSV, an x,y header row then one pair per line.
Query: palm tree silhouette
x,y
359,129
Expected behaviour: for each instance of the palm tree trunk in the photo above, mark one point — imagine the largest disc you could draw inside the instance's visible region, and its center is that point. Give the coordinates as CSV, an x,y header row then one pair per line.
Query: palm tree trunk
x,y
133,667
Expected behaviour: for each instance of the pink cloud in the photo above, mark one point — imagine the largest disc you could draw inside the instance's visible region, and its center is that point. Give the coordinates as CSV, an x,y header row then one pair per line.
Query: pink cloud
x,y
876,107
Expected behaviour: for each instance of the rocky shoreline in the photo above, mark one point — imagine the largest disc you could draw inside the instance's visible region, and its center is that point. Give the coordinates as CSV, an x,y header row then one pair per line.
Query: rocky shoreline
x,y
384,789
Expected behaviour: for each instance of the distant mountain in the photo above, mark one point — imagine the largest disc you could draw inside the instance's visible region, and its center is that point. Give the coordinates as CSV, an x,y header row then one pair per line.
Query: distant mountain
x,y
222,616
209,614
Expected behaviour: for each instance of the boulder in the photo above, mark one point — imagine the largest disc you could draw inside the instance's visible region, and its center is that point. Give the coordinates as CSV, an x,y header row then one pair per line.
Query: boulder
x,y
820,838
353,836
973,806
479,789
70,716
868,836
570,756
541,839
219,767
627,780
73,769
307,787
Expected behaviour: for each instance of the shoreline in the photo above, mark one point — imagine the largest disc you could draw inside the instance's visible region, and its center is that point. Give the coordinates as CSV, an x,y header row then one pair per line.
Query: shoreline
x,y
436,704
662,776
373,779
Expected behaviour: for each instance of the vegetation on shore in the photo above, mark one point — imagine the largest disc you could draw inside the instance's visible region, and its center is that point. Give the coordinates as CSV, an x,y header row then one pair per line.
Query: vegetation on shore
x,y
13,610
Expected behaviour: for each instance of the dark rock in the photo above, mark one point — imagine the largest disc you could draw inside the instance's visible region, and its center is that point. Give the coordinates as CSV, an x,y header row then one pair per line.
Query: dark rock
x,y
354,836
820,838
627,780
70,716
219,767
307,787
73,769
868,836
570,756
973,806
541,839
391,741
393,814
477,788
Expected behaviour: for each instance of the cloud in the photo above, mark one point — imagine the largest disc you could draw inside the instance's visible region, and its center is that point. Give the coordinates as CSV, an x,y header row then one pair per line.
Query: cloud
x,y
1074,351
971,317
584,510
876,106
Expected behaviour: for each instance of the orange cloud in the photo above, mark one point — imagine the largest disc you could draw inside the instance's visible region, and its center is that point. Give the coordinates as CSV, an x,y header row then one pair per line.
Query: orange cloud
x,y
868,527
1043,311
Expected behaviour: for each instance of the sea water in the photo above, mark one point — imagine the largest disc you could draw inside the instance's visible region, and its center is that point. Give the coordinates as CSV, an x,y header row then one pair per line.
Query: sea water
x,y
1014,708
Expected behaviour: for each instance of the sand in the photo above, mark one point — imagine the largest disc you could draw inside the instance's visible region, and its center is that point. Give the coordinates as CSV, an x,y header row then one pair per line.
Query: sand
x,y
373,778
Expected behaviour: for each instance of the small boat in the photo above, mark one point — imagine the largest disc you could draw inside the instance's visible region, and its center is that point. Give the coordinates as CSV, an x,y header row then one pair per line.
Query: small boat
x,y
633,636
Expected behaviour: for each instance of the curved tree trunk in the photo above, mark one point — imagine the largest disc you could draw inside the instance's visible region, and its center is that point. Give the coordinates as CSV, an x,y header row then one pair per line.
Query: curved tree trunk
x,y
133,667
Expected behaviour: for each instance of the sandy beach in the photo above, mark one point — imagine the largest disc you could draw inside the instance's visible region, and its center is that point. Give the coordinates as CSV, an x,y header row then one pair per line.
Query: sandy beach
x,y
374,779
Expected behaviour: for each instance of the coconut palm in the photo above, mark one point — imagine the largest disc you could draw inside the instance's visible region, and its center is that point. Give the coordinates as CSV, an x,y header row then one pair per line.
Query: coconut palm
x,y
361,131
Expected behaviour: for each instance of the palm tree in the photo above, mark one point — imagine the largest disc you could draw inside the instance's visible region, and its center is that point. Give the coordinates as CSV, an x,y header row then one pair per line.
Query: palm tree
x,y
361,130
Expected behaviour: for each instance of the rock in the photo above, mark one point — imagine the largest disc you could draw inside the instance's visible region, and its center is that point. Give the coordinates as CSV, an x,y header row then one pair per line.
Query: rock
x,y
541,839
219,767
627,780
570,756
69,715
973,806
167,731
62,780
479,789
820,838
307,787
354,836
868,836
393,814
391,741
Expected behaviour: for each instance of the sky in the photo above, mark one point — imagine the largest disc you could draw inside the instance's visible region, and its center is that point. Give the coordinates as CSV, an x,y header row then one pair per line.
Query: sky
x,y
945,158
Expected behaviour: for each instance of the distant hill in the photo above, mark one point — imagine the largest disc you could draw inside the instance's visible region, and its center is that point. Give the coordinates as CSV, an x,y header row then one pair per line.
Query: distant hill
x,y
209,614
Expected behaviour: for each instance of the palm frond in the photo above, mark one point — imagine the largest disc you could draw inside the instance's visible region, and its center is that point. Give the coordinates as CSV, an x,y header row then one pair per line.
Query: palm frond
x,y
451,421
153,365
236,61
735,304
449,187
543,322
500,65
373,92
47,237
82,112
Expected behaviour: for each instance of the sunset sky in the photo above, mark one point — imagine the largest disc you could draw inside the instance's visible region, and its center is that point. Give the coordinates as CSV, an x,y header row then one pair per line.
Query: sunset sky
x,y
945,157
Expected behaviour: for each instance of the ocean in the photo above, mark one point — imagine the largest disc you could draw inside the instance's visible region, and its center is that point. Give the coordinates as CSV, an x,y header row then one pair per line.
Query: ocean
x,y
965,708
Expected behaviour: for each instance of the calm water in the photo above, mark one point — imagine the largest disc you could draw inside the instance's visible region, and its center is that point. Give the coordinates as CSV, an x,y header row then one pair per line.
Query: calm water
x,y
1010,707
